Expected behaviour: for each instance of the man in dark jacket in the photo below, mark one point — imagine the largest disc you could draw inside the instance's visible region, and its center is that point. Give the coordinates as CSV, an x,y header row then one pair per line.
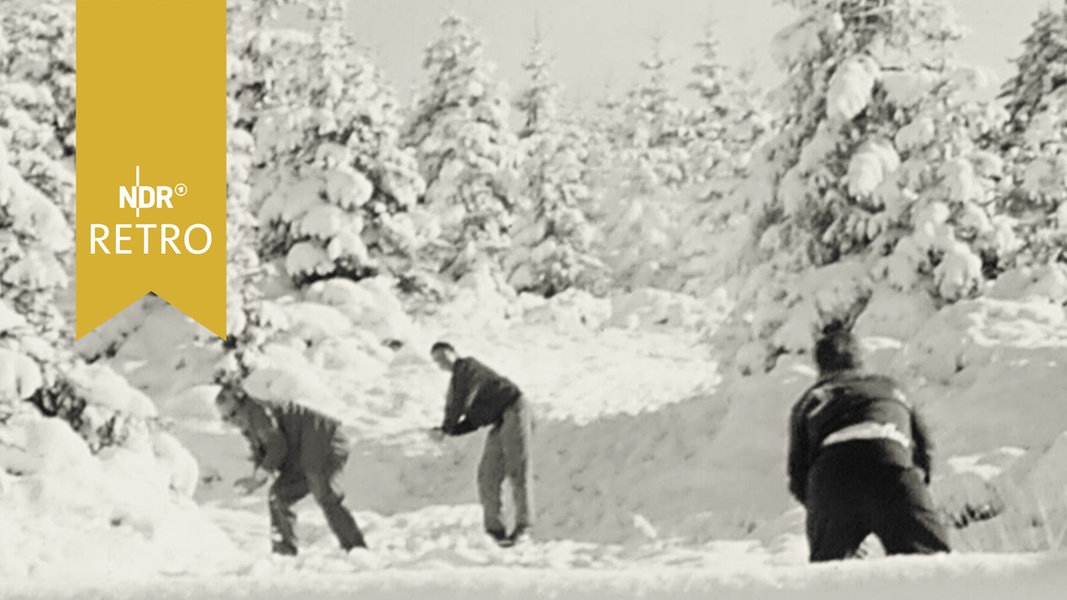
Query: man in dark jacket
x,y
859,460
479,397
306,450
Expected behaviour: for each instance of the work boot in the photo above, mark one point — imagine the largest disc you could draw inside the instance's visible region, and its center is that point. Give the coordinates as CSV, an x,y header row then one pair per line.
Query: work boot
x,y
521,535
499,536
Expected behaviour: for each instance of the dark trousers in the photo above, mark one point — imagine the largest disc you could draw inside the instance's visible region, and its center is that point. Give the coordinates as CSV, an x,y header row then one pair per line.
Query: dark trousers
x,y
851,494
507,456
291,486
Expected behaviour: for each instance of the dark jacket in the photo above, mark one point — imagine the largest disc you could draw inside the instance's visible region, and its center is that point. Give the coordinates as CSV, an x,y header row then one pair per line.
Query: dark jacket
x,y
293,437
849,398
477,396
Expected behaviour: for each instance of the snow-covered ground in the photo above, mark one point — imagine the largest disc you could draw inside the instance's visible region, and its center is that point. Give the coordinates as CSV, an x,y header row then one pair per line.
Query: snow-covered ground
x,y
978,577
657,471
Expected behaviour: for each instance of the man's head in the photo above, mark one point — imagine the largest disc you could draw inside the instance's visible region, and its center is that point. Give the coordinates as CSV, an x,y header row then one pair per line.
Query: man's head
x,y
231,403
836,351
444,355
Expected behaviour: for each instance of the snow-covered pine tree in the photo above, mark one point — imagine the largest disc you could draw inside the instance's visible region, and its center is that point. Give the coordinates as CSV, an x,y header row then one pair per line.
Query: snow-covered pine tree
x,y
1041,69
752,120
603,124
538,104
332,184
727,122
552,246
1035,140
710,120
466,150
244,269
875,161
37,240
38,98
655,132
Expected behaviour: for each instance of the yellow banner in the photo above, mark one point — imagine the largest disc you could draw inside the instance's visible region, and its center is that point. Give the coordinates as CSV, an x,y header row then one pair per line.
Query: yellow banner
x,y
151,162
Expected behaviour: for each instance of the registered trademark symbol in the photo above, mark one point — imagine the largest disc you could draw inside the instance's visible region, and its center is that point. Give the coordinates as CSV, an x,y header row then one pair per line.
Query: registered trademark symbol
x,y
181,189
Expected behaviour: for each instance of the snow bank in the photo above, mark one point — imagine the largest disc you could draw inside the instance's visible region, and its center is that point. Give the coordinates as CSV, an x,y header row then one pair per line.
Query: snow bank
x,y
66,513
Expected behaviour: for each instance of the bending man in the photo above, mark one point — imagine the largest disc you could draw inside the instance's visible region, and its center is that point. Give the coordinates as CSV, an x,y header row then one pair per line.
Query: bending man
x,y
479,397
306,450
859,460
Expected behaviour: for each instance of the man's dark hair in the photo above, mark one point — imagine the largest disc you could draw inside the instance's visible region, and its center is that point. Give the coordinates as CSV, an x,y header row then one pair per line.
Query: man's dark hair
x,y
837,350
442,346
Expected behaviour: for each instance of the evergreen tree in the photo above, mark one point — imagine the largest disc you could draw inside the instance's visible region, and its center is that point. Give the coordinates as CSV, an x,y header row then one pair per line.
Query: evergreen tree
x,y
553,241
461,132
37,101
1035,140
876,160
243,266
712,122
332,183
1041,69
538,102
727,122
655,134
37,240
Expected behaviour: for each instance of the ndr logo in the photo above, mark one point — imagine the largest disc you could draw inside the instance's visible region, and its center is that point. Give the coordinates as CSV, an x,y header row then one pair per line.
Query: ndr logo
x,y
139,196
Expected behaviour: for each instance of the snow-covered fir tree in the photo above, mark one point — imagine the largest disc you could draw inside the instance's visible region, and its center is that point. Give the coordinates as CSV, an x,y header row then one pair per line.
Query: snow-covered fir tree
x,y
466,151
1035,141
727,121
244,269
1041,69
38,99
709,120
875,160
653,148
603,124
43,376
332,184
538,104
552,245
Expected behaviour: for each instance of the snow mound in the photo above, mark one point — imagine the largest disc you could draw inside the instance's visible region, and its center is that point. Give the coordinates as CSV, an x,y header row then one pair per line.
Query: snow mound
x,y
647,307
101,387
129,501
370,304
284,374
975,333
568,311
1048,282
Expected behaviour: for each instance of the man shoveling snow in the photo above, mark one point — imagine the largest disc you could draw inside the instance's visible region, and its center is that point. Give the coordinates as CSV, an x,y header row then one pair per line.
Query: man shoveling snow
x,y
859,459
307,451
479,397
